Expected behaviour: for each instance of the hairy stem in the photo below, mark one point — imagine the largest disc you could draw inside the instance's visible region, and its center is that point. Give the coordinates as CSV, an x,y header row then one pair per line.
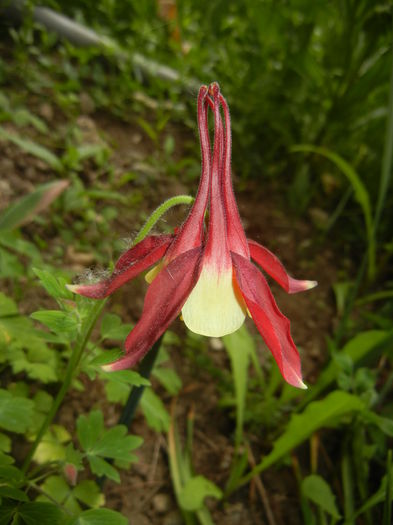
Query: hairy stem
x,y
76,355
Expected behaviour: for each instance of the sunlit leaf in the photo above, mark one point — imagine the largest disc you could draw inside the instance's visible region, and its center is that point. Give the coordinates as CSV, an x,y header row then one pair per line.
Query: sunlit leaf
x,y
52,447
88,492
195,490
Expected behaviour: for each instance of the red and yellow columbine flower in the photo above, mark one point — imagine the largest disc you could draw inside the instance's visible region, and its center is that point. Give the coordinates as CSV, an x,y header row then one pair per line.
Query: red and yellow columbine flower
x,y
206,274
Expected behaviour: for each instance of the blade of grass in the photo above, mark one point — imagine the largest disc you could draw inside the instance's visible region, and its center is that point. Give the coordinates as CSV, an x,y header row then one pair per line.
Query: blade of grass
x,y
347,483
33,148
386,169
360,190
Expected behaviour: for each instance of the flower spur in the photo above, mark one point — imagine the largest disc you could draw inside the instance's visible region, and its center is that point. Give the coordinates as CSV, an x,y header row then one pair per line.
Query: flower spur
x,y
206,273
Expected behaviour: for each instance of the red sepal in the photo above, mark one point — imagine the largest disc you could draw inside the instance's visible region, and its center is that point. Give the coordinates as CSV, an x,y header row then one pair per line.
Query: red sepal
x,y
271,323
163,303
274,267
131,263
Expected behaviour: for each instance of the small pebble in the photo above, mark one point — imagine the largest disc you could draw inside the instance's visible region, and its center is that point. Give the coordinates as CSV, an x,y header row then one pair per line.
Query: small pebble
x,y
86,103
162,503
46,111
216,343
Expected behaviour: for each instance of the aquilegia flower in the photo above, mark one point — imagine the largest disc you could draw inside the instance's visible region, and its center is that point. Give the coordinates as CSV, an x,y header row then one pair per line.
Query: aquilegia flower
x,y
205,272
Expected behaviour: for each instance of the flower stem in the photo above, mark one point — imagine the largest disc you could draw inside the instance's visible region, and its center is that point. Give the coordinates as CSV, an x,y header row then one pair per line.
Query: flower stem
x,y
76,355
135,395
157,213
145,369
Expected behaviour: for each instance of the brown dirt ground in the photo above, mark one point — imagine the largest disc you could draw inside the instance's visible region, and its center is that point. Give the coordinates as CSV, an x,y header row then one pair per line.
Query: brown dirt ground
x,y
145,494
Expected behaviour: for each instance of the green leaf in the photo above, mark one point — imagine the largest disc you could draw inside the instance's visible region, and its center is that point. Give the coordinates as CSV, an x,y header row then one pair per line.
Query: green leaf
x,y
115,443
43,401
13,241
89,427
100,467
383,423
357,349
100,517
319,492
26,208
23,117
5,443
7,306
325,413
26,352
195,490
110,324
378,497
11,475
35,513
119,333
55,286
118,384
7,511
88,492
32,148
58,321
52,445
15,412
155,412
239,346
169,379
10,265
13,493
104,357
100,443
5,459
58,490
73,456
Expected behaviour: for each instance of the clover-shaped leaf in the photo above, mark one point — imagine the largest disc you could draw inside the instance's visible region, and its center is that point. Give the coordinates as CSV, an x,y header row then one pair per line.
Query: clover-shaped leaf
x,y
100,444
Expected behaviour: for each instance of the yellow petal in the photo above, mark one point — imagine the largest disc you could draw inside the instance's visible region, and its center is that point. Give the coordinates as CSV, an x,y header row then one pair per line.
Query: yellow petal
x,y
214,308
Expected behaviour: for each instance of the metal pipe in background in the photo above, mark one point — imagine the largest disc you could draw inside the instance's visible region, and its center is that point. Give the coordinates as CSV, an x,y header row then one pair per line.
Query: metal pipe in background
x,y
82,36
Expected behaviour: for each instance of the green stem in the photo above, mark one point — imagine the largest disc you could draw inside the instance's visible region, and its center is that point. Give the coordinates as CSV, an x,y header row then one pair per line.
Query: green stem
x,y
76,355
163,208
145,369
